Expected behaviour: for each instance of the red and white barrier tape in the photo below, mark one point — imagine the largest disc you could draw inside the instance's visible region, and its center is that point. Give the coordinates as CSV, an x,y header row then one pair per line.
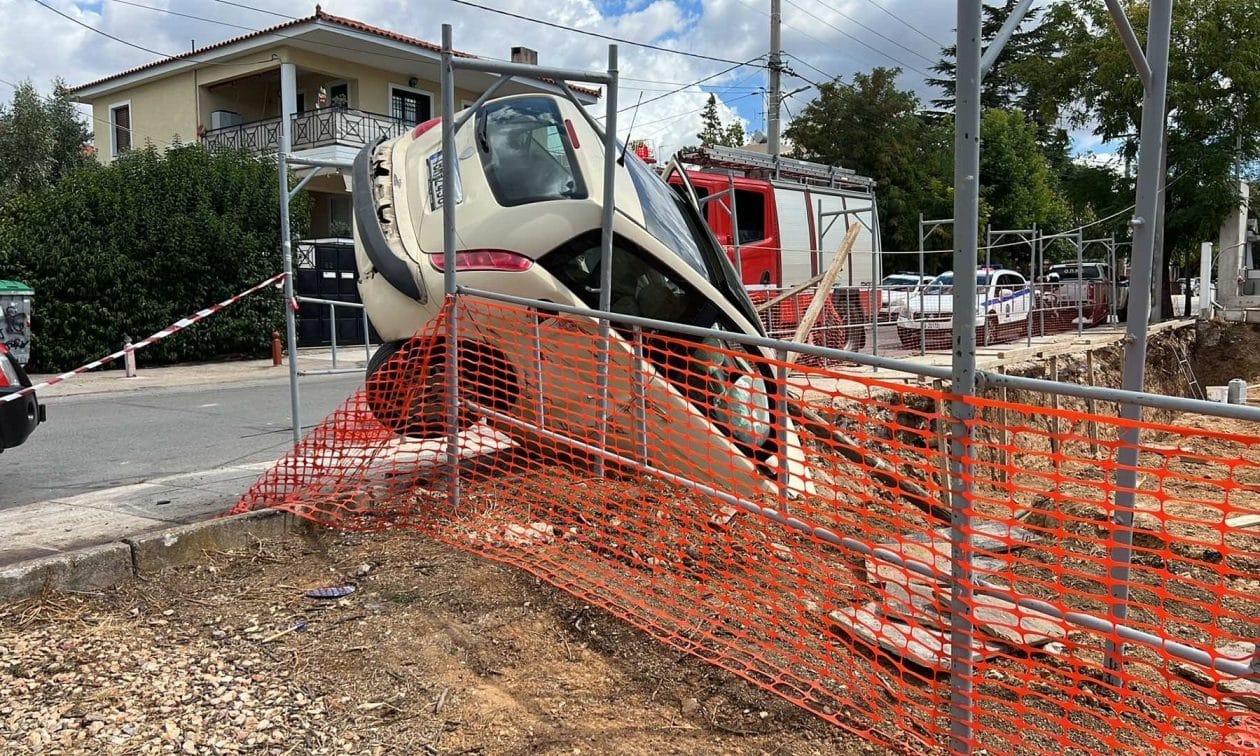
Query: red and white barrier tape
x,y
173,328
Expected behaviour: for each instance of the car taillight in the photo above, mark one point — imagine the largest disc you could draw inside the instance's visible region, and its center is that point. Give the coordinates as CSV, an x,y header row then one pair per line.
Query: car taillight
x,y
568,126
8,373
421,128
485,259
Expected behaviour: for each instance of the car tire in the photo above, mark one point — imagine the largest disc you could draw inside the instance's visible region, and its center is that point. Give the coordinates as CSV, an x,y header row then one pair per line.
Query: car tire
x,y
415,407
989,335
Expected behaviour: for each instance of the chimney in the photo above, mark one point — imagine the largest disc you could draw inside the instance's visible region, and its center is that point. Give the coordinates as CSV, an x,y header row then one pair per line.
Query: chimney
x,y
524,55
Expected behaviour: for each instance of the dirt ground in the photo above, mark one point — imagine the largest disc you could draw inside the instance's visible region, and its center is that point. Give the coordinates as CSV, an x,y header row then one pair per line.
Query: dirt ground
x,y
437,652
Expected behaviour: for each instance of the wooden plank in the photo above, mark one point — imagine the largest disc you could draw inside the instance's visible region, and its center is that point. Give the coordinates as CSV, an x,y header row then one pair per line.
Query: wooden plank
x,y
1091,406
924,647
823,294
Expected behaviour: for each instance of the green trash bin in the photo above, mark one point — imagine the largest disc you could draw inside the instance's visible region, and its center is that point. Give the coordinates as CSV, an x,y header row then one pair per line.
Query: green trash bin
x,y
15,319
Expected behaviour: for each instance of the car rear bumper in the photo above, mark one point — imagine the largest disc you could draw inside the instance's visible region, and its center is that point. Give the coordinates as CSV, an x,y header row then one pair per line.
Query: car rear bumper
x,y
18,418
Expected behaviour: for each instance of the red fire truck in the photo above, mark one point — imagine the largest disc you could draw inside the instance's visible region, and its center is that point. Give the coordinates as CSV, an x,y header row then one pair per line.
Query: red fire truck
x,y
785,227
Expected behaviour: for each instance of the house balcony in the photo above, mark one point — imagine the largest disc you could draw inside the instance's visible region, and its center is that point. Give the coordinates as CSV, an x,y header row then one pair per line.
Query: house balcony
x,y
326,127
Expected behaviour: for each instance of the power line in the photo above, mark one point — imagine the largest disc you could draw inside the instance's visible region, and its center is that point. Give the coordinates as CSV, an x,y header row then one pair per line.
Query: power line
x,y
256,9
887,39
685,87
904,23
598,35
185,15
149,50
843,33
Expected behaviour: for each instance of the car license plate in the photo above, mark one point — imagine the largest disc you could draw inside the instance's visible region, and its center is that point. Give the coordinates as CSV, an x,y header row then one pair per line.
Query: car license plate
x,y
435,182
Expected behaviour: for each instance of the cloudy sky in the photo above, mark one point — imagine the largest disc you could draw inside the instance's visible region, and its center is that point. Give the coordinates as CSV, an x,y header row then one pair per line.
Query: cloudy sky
x,y
821,39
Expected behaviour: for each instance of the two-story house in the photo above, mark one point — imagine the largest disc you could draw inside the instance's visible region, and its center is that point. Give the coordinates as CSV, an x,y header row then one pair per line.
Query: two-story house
x,y
345,83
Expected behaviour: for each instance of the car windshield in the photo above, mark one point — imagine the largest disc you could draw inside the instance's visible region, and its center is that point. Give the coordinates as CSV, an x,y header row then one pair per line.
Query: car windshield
x,y
665,218
526,152
1089,272
944,283
900,281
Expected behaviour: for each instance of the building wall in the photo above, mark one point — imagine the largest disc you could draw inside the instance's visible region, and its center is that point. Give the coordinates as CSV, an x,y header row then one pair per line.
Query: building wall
x,y
160,111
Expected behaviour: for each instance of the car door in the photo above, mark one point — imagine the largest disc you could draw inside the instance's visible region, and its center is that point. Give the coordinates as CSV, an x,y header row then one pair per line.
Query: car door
x,y
1015,299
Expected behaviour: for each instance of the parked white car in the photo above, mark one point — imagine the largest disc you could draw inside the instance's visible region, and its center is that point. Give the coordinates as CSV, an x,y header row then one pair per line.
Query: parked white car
x,y
1004,301
895,291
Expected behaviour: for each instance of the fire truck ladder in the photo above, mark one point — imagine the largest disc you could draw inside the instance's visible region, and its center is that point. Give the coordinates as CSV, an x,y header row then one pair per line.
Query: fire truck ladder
x,y
759,165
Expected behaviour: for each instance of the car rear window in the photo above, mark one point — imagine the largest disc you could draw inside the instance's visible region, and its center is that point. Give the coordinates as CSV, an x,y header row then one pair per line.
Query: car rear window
x,y
526,152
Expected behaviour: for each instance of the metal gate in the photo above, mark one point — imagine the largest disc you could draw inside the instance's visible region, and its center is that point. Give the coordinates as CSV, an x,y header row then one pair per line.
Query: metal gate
x,y
326,270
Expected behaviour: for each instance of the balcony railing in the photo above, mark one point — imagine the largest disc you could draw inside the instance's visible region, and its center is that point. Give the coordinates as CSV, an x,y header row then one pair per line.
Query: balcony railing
x,y
312,128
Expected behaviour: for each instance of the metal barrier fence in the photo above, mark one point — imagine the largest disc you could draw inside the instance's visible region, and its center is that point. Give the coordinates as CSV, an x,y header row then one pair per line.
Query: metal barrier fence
x,y
901,321
332,306
830,579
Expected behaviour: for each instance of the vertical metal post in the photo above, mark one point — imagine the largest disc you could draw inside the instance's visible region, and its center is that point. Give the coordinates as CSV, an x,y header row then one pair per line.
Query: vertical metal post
x,y
332,332
922,292
288,104
1080,292
1149,183
640,398
775,85
450,165
780,424
739,253
540,406
966,220
1205,280
1115,279
606,250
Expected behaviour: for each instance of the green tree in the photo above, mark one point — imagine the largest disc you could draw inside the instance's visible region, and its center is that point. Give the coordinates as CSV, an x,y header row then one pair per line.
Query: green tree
x,y
41,140
906,153
1017,186
1213,103
138,244
712,132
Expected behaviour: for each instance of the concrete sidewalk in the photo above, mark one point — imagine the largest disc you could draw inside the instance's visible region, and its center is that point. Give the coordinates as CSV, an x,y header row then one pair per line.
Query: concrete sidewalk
x,y
311,361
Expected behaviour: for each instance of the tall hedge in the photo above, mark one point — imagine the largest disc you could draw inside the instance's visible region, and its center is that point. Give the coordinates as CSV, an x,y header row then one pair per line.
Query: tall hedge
x,y
131,247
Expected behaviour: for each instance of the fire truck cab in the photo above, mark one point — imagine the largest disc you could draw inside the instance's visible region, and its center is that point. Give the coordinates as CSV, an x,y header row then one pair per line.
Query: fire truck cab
x,y
786,224
789,227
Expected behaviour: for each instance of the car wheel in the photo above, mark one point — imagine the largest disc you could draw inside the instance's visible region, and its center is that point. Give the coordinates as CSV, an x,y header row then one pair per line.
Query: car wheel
x,y
989,334
406,385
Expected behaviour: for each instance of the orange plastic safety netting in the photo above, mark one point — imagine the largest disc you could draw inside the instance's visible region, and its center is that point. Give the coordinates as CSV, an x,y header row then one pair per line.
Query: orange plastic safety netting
x,y
825,578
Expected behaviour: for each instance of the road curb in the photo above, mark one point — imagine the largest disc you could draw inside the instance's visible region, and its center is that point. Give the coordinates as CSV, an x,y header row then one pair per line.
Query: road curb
x,y
107,565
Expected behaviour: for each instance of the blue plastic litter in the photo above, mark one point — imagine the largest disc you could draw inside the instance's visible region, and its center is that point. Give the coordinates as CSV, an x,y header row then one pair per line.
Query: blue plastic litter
x,y
330,592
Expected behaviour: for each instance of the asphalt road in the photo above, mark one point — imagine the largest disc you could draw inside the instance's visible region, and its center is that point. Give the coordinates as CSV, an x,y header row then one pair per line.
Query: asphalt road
x,y
102,441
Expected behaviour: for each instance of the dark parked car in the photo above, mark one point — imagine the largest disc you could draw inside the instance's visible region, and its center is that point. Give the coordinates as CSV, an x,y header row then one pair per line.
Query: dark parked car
x,y
18,417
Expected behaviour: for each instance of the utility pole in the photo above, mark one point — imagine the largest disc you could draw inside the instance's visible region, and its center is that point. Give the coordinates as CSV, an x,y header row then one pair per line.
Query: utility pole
x,y
776,84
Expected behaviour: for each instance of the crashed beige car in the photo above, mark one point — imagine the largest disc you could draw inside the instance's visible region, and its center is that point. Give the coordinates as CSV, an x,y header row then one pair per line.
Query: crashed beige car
x,y
528,212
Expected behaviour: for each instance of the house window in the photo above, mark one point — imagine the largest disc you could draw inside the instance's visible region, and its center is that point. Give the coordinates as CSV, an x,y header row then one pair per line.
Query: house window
x,y
410,106
340,216
339,94
120,128
301,103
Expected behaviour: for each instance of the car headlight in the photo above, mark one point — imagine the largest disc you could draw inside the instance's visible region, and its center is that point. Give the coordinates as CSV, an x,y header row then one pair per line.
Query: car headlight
x,y
745,409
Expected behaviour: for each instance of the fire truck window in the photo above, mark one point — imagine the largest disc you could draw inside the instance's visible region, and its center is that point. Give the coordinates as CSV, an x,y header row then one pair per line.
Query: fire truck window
x,y
751,208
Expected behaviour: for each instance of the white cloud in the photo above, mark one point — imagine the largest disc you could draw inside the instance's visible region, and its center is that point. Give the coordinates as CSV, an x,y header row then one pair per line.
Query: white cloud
x,y
37,44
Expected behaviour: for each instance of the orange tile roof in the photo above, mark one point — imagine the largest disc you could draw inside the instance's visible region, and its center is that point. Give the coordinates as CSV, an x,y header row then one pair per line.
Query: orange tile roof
x,y
320,15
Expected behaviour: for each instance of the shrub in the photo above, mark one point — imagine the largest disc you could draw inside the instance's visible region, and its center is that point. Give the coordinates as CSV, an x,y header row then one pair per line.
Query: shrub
x,y
149,239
